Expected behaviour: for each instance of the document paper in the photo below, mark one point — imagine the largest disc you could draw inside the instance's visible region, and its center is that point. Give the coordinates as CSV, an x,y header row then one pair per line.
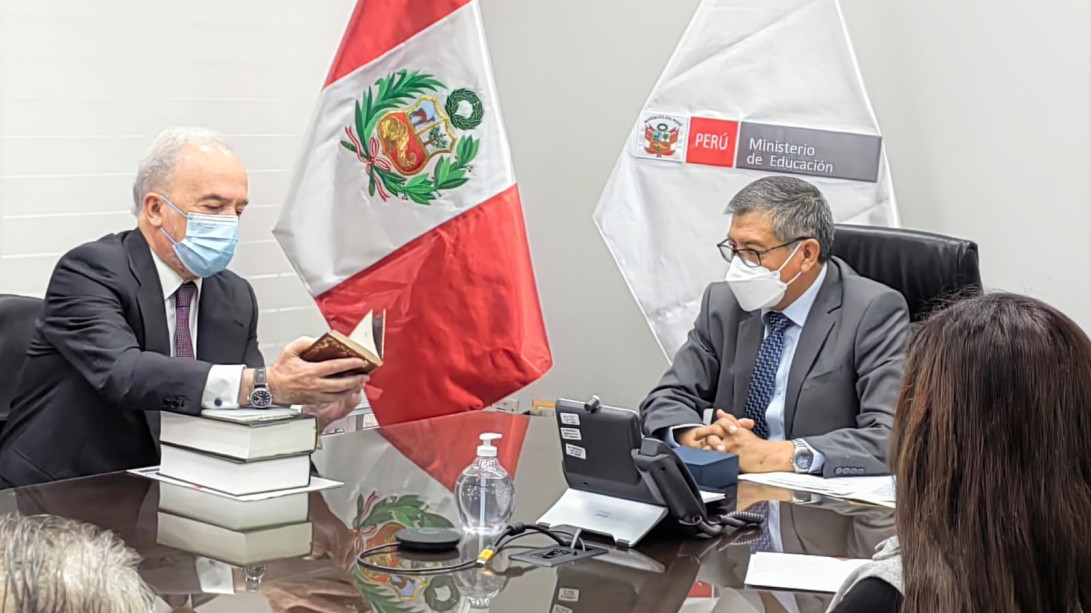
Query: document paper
x,y
789,571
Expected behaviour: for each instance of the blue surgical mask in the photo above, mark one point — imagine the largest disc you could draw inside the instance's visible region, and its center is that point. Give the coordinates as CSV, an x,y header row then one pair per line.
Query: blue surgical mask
x,y
209,244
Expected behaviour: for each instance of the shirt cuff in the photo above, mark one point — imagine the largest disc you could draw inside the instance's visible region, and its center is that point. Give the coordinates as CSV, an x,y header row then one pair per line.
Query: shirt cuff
x,y
668,433
222,387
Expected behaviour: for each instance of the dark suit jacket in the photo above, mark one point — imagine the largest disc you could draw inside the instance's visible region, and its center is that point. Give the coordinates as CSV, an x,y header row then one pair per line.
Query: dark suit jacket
x,y
99,370
844,380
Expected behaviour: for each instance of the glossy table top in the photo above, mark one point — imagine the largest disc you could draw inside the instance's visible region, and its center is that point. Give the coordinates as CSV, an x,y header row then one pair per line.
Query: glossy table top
x,y
403,476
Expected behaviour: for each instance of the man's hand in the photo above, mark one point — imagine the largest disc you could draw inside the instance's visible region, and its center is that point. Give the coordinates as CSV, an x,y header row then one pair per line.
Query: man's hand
x,y
753,493
329,590
699,437
756,455
329,412
296,381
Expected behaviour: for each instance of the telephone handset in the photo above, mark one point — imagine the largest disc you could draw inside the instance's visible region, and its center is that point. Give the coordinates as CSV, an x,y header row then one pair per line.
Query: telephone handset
x,y
673,486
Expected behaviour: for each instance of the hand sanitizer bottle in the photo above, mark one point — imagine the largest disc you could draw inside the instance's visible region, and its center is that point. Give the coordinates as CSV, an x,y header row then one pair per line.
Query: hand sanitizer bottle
x,y
486,494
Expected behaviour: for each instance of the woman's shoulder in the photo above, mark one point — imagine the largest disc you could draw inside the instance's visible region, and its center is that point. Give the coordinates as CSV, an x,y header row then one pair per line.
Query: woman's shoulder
x,y
870,595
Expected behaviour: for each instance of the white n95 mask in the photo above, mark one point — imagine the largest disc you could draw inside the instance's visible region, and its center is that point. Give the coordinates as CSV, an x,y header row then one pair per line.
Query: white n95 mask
x,y
757,287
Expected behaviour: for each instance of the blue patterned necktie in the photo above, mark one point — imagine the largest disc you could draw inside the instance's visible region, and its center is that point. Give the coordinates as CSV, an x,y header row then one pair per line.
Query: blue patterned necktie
x,y
763,541
764,379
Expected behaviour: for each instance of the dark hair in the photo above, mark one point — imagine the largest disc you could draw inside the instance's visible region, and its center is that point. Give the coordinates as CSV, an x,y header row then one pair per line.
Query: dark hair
x,y
992,451
795,208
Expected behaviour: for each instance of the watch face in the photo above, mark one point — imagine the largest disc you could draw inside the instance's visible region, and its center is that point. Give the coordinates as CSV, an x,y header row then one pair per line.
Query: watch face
x,y
803,460
261,398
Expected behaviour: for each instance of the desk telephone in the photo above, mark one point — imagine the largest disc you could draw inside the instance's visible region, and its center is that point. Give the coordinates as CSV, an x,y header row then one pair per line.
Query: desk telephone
x,y
604,453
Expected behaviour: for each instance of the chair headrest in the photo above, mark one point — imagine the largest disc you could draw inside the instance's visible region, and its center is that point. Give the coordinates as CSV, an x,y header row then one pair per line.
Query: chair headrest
x,y
926,268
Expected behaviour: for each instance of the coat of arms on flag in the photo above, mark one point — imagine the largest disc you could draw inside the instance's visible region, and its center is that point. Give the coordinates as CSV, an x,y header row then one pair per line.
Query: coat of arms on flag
x,y
403,138
405,202
662,136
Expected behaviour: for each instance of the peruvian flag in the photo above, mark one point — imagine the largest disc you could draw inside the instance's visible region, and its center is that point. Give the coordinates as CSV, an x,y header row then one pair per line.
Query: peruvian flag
x,y
405,201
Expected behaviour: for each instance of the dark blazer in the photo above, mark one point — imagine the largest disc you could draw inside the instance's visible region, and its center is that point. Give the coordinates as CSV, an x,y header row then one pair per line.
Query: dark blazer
x,y
844,380
99,370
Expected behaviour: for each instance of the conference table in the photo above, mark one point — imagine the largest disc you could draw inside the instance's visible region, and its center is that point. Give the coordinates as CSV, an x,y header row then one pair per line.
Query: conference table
x,y
404,475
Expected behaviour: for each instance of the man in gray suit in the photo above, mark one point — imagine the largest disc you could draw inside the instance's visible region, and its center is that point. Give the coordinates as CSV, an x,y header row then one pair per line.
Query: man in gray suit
x,y
796,360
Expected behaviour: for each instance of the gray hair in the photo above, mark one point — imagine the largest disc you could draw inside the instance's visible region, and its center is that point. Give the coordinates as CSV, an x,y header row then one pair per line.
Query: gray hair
x,y
157,167
55,565
795,207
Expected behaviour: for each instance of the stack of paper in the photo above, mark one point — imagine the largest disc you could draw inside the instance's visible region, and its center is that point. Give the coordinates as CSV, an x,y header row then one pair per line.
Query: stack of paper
x,y
875,490
788,571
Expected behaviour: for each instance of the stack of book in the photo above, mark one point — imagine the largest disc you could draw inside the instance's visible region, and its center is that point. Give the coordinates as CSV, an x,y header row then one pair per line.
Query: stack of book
x,y
238,453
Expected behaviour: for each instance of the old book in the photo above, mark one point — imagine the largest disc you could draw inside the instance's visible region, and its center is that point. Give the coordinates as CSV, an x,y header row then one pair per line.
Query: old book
x,y
232,513
234,546
235,477
244,434
365,342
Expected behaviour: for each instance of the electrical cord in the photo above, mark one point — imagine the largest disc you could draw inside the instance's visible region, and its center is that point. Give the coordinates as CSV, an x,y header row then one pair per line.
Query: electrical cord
x,y
361,560
739,520
503,540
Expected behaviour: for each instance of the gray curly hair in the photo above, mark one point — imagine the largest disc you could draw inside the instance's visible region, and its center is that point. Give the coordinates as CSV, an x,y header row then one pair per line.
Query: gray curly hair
x,y
51,564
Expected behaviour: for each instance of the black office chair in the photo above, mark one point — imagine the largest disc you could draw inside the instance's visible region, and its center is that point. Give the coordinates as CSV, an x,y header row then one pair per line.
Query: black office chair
x,y
928,269
18,315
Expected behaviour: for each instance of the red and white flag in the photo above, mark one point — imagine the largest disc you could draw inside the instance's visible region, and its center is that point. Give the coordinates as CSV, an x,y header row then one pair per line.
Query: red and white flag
x,y
405,200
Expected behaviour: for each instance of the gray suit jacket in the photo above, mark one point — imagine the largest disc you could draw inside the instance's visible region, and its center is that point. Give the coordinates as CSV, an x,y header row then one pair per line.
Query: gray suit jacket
x,y
844,380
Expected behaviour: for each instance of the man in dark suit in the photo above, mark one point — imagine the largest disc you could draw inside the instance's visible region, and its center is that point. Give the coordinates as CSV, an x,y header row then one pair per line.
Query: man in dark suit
x,y
796,360
150,320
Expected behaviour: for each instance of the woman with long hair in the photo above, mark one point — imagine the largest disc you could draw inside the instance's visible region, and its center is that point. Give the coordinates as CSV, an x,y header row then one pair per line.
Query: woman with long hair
x,y
991,449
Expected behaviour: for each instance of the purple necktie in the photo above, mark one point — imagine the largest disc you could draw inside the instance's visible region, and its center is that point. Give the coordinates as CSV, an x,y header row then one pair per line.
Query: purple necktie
x,y
183,298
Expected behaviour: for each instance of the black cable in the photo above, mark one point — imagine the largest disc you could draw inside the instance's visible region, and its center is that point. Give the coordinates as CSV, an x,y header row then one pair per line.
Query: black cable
x,y
503,546
502,540
520,530
361,560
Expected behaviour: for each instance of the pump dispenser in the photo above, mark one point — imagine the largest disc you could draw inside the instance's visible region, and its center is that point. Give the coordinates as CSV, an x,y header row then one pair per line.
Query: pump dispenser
x,y
486,494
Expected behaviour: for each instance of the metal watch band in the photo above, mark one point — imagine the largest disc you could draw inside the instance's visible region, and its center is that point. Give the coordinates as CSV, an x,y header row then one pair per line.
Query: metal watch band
x,y
801,447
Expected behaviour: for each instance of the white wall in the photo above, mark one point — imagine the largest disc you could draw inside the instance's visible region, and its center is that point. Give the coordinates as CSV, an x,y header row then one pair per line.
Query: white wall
x,y
84,86
985,107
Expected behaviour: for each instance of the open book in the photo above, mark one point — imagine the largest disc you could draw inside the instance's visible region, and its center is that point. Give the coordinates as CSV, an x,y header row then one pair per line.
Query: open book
x,y
365,342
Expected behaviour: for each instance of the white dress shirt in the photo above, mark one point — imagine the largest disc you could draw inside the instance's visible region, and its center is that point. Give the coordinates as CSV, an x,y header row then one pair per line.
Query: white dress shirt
x,y
774,414
224,380
796,313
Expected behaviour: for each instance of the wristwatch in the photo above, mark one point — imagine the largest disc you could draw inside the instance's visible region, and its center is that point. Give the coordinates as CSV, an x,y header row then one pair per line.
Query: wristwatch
x,y
260,395
803,458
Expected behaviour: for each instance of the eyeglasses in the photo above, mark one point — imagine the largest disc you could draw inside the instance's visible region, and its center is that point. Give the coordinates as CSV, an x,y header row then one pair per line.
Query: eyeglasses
x,y
752,257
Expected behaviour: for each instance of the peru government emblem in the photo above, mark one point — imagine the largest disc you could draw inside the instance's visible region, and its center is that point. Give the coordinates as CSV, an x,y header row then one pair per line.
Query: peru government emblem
x,y
417,136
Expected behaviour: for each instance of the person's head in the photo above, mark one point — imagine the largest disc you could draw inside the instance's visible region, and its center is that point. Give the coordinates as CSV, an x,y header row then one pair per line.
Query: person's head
x,y
781,224
992,451
196,171
54,565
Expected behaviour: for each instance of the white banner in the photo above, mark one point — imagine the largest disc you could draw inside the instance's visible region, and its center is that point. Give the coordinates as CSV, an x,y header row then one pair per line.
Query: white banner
x,y
755,87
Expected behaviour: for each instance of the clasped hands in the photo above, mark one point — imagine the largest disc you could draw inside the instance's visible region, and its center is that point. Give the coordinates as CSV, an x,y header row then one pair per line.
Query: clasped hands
x,y
730,434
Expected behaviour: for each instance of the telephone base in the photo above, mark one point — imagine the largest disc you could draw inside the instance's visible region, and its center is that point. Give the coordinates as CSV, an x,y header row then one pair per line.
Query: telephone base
x,y
625,521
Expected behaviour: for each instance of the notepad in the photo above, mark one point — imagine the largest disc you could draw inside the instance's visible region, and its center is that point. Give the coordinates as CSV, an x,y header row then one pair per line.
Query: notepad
x,y
876,490
789,571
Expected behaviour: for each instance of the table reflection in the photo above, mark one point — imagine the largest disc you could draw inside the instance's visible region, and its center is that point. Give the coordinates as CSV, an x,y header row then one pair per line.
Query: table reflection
x,y
403,477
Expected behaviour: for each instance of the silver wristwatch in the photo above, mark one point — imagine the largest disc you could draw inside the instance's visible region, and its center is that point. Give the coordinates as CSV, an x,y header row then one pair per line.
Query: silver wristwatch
x,y
803,458
261,397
